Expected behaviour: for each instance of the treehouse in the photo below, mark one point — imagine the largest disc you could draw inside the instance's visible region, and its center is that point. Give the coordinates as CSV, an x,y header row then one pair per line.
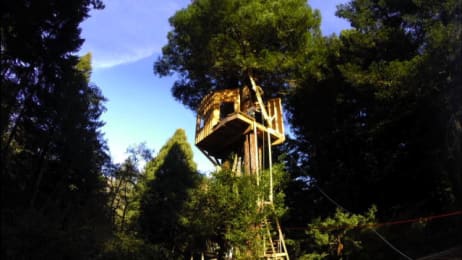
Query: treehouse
x,y
238,122
230,118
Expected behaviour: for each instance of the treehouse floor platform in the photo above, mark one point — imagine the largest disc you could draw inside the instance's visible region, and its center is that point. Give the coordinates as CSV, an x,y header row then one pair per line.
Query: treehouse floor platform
x,y
230,131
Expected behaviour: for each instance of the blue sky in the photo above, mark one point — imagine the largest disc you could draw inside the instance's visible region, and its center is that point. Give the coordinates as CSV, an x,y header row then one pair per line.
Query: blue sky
x,y
125,39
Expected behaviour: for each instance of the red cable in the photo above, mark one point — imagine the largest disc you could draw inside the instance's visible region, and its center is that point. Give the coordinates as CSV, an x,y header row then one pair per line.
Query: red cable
x,y
397,222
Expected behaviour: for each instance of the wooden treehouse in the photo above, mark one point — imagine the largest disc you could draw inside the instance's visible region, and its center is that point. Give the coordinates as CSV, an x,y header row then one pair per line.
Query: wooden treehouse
x,y
237,125
227,123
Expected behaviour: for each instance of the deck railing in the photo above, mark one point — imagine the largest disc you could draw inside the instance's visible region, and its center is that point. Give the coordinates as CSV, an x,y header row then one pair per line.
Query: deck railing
x,y
208,115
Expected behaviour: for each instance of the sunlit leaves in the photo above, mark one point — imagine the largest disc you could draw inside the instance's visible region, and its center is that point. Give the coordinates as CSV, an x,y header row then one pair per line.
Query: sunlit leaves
x,y
334,235
217,44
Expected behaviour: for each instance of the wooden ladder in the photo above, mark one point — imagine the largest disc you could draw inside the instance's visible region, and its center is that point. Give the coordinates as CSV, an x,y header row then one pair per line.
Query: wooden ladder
x,y
274,246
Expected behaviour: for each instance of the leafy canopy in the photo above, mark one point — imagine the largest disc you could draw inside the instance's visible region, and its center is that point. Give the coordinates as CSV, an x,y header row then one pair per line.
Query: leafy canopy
x,y
216,44
378,121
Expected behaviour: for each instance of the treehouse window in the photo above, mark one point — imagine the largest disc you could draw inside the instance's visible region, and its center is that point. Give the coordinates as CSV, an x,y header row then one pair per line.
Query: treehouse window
x,y
201,122
226,108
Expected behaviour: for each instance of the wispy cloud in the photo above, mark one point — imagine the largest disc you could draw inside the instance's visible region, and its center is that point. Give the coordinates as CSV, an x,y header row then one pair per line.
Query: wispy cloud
x,y
127,31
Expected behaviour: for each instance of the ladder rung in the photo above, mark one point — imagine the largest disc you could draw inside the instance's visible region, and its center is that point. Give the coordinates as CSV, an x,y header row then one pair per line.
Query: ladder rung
x,y
276,255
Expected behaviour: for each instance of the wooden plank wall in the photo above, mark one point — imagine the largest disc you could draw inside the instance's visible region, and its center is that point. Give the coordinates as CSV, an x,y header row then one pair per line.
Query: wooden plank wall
x,y
209,111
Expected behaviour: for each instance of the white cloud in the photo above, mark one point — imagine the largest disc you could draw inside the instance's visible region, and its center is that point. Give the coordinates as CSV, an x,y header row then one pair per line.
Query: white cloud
x,y
127,31
105,59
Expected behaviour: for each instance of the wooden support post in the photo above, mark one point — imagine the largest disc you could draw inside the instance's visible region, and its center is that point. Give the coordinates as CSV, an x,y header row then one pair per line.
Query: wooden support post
x,y
250,151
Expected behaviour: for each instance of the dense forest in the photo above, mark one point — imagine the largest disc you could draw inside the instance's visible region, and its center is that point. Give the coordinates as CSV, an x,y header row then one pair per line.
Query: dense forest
x,y
372,169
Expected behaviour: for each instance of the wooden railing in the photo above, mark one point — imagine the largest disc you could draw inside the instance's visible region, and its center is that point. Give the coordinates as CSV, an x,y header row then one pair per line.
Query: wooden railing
x,y
274,108
209,114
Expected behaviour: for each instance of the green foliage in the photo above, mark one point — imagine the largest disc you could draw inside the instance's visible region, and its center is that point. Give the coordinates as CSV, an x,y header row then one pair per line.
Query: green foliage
x,y
123,191
376,115
384,111
84,66
335,236
171,178
279,182
125,245
179,141
217,44
230,211
181,214
125,188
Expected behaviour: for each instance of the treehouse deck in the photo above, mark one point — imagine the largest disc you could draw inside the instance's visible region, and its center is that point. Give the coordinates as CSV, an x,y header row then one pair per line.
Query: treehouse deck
x,y
229,132
225,117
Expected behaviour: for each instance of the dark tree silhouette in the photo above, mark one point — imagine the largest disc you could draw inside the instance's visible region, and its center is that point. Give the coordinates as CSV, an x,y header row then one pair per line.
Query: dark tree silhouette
x,y
52,151
167,192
